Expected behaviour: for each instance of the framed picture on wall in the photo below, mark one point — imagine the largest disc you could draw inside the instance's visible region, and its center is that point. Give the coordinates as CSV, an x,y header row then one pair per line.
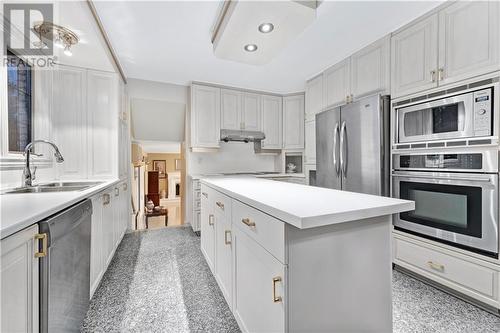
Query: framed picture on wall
x,y
161,167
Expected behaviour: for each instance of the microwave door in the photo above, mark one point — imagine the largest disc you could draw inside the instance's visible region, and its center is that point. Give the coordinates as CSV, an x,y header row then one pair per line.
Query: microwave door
x,y
327,149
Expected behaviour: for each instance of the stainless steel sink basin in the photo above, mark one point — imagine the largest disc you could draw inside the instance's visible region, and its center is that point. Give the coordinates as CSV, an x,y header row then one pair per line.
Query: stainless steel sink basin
x,y
53,187
70,184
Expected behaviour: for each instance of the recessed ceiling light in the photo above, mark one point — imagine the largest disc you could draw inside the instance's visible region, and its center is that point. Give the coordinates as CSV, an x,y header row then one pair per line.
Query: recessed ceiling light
x,y
250,47
266,27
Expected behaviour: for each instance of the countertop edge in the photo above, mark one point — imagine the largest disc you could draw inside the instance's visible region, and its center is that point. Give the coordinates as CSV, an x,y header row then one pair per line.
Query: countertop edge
x,y
316,221
31,220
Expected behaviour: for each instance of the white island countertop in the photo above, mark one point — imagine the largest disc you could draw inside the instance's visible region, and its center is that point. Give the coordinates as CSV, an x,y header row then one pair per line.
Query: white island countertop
x,y
306,206
22,210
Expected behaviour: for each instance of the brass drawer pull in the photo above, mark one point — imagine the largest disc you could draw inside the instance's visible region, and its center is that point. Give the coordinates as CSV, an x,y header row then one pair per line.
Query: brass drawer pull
x,y
205,194
220,205
276,299
117,191
437,267
440,74
227,232
210,219
433,76
106,199
43,238
248,222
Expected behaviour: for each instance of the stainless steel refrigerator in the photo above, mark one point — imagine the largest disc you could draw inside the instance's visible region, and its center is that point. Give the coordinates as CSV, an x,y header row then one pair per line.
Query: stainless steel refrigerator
x,y
352,146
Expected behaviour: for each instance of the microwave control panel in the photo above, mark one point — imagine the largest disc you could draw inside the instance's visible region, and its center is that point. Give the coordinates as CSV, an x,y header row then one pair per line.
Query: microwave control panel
x,y
472,161
483,112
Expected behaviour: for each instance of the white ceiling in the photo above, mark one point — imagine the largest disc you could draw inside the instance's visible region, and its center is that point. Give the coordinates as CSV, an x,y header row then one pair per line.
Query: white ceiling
x,y
169,41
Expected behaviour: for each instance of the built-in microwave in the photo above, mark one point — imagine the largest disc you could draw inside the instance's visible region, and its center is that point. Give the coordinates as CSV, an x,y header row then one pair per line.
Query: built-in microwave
x,y
466,115
456,197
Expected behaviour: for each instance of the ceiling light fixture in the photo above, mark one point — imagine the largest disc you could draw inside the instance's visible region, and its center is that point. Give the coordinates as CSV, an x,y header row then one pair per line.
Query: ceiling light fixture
x,y
250,47
266,28
60,36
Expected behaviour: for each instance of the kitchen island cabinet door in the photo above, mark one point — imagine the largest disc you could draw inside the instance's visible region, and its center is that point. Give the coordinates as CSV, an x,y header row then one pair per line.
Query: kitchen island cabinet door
x,y
272,122
223,247
207,227
414,58
468,40
19,279
259,299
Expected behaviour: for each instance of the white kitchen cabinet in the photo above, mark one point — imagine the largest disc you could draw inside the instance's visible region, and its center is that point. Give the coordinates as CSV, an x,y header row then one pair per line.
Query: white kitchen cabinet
x,y
272,121
414,57
314,97
468,40
207,226
107,227
102,90
370,69
336,84
293,122
96,244
230,113
69,120
124,145
310,142
251,112
19,273
223,246
205,116
259,299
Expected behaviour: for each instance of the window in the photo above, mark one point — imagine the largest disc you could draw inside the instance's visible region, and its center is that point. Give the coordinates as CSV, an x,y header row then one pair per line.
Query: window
x,y
19,77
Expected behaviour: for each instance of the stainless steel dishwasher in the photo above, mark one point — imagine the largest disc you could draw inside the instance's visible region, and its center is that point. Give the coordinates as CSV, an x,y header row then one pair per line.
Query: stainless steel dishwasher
x,y
65,271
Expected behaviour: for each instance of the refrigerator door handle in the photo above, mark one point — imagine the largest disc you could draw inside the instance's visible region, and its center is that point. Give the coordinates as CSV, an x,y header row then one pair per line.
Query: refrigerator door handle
x,y
336,164
343,167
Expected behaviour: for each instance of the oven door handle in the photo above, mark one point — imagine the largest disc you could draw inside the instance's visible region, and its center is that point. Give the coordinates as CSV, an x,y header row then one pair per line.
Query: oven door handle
x,y
482,180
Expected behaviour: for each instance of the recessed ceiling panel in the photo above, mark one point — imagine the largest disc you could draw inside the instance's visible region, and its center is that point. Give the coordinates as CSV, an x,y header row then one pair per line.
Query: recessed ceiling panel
x,y
237,36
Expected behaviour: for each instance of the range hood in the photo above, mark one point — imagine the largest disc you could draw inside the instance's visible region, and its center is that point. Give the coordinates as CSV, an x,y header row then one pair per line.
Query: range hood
x,y
241,136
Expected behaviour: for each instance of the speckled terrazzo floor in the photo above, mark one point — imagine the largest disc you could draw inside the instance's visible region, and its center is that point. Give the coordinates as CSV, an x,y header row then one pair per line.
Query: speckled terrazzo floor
x,y
159,281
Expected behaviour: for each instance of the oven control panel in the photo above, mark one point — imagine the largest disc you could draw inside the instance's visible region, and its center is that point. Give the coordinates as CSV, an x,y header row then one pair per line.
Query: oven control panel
x,y
441,161
483,112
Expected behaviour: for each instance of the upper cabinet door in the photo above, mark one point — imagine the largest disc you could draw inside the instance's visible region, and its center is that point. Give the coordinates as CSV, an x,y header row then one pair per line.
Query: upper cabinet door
x,y
414,58
205,116
468,40
337,84
310,137
102,121
69,121
370,69
272,119
293,122
230,109
251,113
314,97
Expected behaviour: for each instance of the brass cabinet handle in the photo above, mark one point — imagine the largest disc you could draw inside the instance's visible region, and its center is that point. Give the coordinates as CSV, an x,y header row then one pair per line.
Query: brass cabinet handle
x,y
440,74
43,238
248,222
227,232
437,267
276,299
117,191
220,205
106,199
210,219
433,76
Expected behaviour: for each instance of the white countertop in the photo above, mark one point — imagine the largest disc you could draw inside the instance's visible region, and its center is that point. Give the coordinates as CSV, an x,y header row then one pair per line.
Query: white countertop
x,y
306,206
19,211
250,174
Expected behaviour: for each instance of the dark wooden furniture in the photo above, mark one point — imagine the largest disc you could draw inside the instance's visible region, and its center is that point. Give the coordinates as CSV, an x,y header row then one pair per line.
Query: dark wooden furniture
x,y
154,187
160,212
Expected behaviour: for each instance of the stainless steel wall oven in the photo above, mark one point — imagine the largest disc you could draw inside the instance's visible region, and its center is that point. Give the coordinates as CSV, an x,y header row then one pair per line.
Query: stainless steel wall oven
x,y
455,194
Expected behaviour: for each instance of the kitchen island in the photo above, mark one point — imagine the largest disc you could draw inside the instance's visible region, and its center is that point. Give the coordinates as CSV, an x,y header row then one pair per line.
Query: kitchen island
x,y
292,258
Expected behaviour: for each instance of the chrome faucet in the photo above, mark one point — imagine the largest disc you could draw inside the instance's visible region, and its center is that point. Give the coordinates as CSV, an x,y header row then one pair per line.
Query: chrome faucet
x,y
27,176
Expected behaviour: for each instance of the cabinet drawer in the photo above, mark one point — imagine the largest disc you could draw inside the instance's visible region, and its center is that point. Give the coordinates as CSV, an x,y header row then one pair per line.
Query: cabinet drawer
x,y
222,205
264,229
467,274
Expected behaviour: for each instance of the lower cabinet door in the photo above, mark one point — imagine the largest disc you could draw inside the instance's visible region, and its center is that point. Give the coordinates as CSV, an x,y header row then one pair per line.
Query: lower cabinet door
x,y
19,305
223,255
207,230
96,244
259,299
107,228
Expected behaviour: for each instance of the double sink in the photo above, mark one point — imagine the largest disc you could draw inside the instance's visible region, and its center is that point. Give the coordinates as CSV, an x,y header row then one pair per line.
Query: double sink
x,y
53,187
